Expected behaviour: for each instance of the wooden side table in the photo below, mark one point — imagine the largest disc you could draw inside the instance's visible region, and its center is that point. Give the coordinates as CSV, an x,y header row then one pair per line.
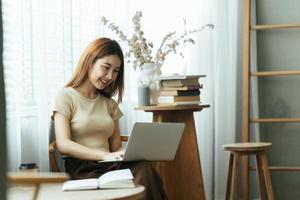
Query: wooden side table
x,y
182,177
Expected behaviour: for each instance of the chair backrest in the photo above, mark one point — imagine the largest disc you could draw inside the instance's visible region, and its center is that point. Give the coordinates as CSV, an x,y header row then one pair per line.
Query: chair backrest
x,y
55,158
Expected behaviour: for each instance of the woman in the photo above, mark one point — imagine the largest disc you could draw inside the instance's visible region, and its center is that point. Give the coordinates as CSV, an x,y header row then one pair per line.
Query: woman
x,y
86,118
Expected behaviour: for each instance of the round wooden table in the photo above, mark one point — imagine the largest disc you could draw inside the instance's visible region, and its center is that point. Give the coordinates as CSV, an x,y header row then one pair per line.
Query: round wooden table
x,y
50,191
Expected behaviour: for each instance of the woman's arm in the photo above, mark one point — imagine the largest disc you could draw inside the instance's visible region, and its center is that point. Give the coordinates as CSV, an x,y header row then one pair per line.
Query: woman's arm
x,y
68,147
115,139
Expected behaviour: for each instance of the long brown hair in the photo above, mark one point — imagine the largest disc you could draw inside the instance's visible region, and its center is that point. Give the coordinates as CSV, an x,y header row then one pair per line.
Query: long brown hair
x,y
99,48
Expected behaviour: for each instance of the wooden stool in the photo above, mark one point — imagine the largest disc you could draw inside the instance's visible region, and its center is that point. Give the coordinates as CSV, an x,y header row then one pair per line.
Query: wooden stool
x,y
260,151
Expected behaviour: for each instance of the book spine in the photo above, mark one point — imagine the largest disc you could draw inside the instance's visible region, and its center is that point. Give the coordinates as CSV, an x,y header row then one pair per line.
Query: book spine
x,y
186,98
179,83
180,93
181,88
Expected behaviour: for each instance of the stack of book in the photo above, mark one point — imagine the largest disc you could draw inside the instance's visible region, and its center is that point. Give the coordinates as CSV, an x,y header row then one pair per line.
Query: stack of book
x,y
179,90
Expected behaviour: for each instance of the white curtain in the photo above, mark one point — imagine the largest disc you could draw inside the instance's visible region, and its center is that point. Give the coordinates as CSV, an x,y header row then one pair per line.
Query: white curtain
x,y
43,41
227,87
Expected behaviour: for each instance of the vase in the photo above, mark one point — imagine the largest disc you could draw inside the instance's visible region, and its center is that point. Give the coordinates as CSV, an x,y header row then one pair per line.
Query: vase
x,y
148,86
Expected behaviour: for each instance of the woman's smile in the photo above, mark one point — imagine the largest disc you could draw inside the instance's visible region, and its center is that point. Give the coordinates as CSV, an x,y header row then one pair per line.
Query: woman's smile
x,y
104,82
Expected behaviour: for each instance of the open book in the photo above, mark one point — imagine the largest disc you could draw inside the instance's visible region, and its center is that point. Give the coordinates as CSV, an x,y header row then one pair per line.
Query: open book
x,y
113,179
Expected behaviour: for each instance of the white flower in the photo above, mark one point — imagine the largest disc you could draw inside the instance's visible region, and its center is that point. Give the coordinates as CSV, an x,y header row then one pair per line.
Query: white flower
x,y
140,50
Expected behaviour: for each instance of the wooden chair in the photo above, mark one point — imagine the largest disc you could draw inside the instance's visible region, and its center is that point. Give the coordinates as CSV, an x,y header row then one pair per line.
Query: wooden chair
x,y
52,150
245,149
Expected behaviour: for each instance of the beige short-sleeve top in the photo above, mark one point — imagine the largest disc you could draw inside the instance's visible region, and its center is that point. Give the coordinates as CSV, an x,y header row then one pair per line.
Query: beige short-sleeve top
x,y
91,120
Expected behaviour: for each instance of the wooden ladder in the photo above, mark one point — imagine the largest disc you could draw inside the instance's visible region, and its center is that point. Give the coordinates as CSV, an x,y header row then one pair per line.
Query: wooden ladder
x,y
247,74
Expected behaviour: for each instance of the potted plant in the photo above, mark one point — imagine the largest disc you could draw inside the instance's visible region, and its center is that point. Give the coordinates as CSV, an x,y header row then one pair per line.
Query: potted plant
x,y
140,52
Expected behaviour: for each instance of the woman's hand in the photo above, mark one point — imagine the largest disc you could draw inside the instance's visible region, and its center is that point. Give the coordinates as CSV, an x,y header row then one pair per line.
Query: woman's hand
x,y
118,155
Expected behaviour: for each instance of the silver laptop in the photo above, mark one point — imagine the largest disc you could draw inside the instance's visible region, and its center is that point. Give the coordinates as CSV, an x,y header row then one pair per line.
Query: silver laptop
x,y
152,142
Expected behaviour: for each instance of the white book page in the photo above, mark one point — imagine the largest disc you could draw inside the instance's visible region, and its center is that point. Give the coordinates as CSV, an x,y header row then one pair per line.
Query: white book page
x,y
118,184
115,175
84,184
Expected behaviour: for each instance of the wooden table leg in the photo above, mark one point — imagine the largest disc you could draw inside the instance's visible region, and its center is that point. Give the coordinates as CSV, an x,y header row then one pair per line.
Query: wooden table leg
x,y
265,168
236,159
35,191
182,177
259,177
229,177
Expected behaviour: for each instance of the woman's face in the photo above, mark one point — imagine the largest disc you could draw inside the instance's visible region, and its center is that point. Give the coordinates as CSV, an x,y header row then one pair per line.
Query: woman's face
x,y
104,71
